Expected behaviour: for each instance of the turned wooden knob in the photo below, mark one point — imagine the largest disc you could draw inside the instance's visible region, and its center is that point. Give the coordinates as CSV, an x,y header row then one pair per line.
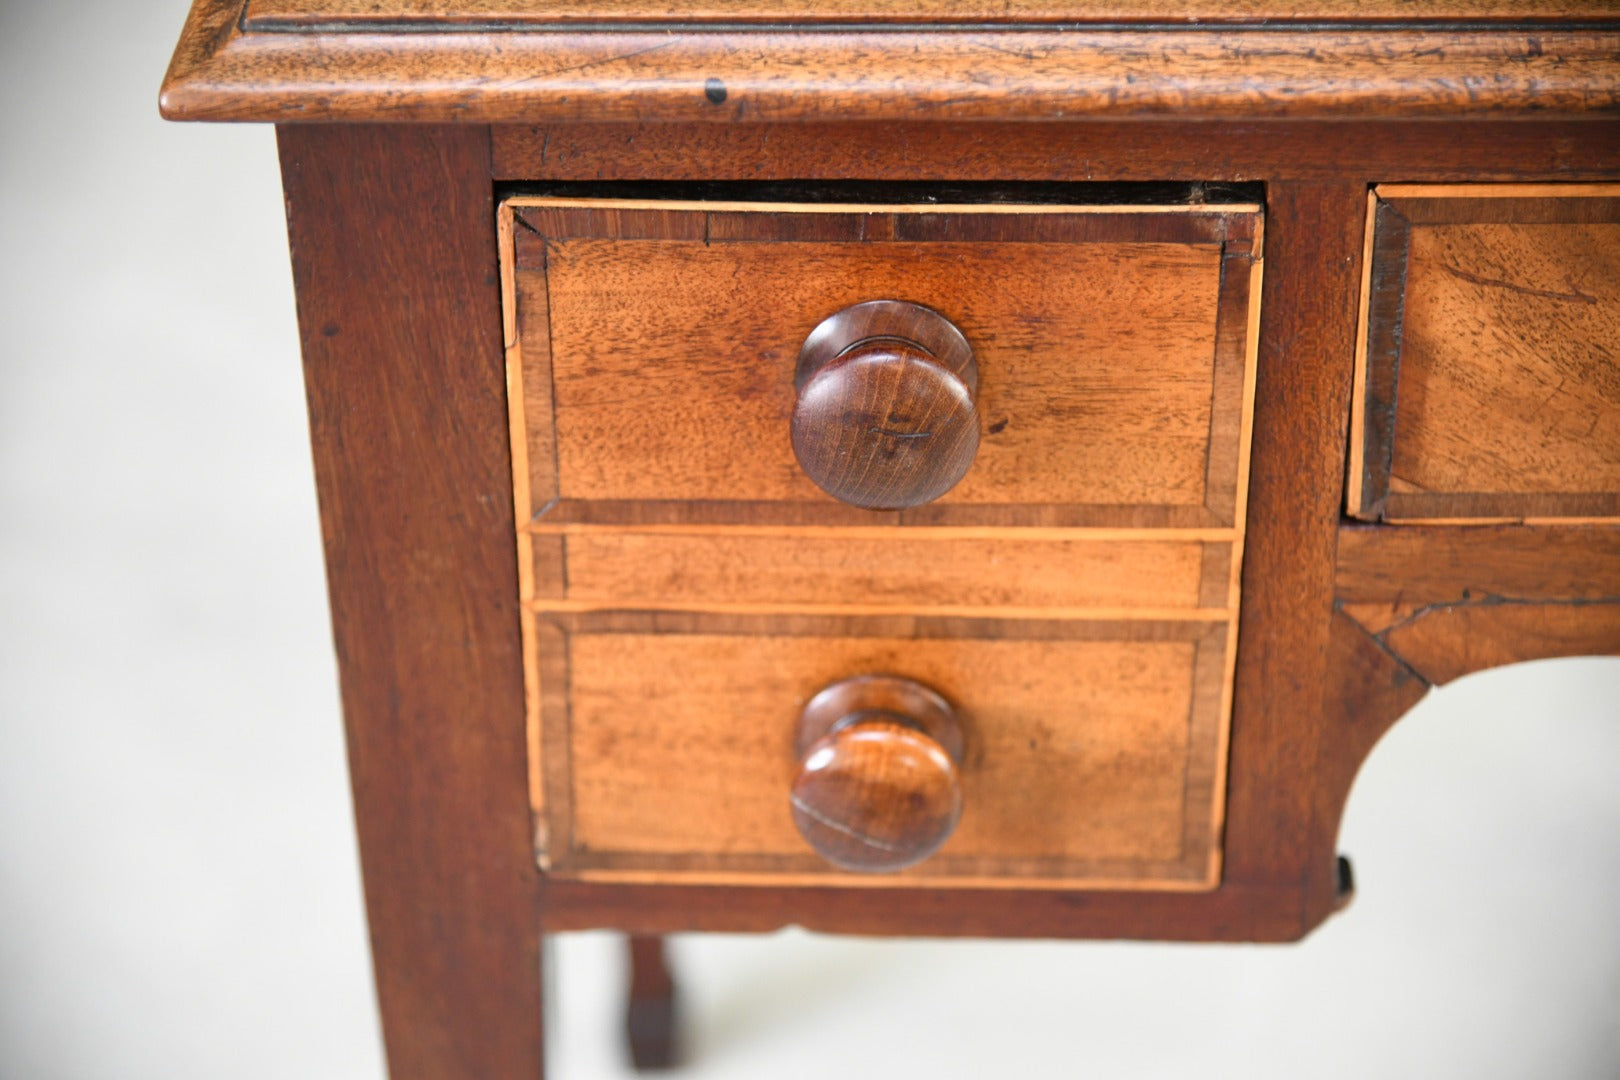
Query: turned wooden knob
x,y
879,786
886,415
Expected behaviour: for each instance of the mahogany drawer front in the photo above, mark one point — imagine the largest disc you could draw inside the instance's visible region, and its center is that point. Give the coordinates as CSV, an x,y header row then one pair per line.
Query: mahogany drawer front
x,y
657,351
1488,387
1095,749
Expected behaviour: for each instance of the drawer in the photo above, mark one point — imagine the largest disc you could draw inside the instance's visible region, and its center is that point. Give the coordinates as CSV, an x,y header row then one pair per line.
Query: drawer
x,y
1093,751
692,587
658,347
1488,388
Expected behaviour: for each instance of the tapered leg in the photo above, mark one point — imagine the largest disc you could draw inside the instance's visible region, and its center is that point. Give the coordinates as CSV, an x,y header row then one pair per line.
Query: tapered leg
x,y
393,244
650,1016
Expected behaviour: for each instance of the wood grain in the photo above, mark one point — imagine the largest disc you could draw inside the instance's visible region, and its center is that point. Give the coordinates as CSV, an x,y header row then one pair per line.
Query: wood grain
x,y
879,784
877,794
1378,347
1444,565
1233,912
407,443
1314,236
885,414
1100,149
1089,758
1490,371
306,14
407,416
1367,688
1095,413
1443,644
637,74
629,568
540,558
1508,380
1451,600
704,537
726,256
1420,606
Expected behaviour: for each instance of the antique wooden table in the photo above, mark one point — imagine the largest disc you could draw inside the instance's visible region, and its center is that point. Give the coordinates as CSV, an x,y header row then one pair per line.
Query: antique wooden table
x,y
919,467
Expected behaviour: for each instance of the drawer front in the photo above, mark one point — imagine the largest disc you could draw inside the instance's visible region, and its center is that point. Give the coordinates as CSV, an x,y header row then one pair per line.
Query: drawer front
x,y
1094,750
659,346
1488,386
689,590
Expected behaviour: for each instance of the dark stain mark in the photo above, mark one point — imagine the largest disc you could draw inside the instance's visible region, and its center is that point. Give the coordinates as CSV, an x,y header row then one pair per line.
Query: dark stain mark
x,y
998,427
715,91
330,330
1496,283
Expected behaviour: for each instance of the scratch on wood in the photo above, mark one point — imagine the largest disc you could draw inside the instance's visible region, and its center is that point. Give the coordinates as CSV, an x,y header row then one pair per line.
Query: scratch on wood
x,y
1488,600
1497,283
1382,645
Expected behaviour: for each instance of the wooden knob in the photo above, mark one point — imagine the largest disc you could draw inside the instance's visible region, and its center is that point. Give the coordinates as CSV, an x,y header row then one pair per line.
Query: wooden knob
x,y
886,415
879,786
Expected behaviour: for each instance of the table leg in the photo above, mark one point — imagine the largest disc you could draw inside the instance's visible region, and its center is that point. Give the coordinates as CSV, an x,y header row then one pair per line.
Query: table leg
x,y
650,1013
393,243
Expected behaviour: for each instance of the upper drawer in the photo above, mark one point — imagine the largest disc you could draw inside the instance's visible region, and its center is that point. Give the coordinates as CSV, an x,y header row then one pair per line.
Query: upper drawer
x,y
1488,387
659,343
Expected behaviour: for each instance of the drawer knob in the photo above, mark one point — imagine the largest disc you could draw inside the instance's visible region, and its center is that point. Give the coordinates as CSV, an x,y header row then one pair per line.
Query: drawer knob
x,y
879,785
886,415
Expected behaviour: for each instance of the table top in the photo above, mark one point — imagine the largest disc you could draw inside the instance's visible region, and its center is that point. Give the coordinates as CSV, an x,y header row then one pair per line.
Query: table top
x,y
286,14
541,61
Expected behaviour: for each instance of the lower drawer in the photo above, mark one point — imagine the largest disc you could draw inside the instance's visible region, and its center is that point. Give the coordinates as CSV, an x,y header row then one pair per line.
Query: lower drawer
x,y
1092,750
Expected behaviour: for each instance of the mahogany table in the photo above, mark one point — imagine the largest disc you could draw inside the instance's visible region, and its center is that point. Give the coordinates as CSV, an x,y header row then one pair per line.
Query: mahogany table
x,y
916,467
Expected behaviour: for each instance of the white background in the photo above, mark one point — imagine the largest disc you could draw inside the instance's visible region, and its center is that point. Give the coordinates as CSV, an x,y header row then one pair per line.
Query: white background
x,y
179,895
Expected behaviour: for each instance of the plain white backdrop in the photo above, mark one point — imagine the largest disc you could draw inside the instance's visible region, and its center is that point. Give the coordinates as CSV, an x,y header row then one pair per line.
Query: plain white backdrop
x,y
179,895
